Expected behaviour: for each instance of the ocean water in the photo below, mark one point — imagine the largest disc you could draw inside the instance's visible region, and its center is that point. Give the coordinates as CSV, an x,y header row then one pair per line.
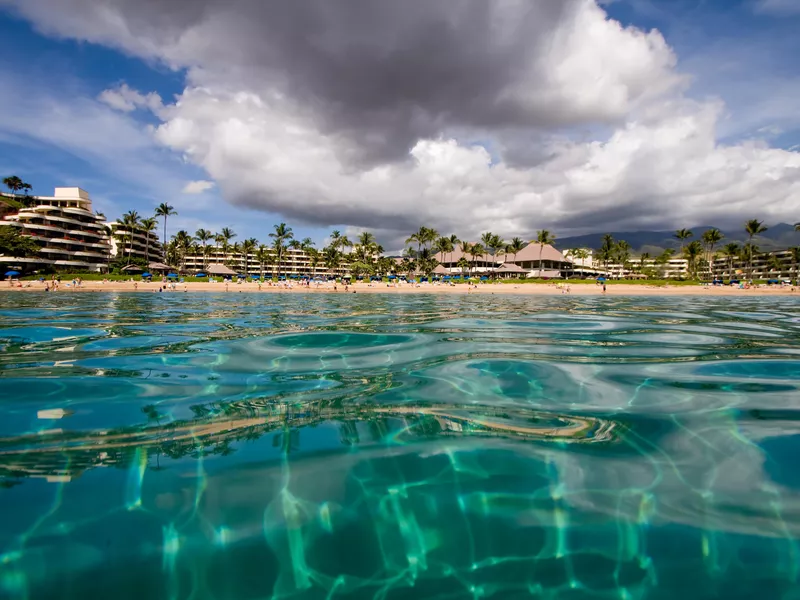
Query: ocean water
x,y
243,446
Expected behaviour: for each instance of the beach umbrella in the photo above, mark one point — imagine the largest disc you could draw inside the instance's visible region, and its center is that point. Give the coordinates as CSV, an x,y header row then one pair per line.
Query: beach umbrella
x,y
601,279
201,275
172,276
12,273
423,279
146,275
484,278
255,276
392,276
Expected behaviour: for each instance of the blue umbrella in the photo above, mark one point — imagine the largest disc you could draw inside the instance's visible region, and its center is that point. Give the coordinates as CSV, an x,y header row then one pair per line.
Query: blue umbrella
x,y
172,276
423,279
201,275
12,273
601,279
484,278
146,275
255,276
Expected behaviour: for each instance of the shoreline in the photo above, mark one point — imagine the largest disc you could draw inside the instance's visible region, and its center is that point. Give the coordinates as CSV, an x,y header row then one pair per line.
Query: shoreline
x,y
527,289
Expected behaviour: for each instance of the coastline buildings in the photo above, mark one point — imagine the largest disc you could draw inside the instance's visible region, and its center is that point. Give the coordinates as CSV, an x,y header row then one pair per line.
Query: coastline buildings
x,y
72,237
531,261
144,245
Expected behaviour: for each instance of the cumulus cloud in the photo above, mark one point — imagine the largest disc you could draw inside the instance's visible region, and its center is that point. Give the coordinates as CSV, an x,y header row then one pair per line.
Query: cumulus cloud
x,y
197,187
465,115
125,99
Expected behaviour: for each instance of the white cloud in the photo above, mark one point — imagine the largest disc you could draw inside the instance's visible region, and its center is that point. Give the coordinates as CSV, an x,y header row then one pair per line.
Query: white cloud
x,y
197,187
368,128
127,100
779,7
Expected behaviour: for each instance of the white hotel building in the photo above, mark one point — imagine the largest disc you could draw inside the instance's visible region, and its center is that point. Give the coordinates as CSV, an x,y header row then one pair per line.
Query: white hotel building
x,y
71,235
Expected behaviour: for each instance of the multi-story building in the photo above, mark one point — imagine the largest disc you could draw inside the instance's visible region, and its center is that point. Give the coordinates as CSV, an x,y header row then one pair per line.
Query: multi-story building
x,y
294,263
143,244
531,261
72,237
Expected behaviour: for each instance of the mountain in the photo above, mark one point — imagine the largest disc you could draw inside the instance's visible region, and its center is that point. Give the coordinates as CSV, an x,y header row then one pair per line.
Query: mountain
x,y
777,237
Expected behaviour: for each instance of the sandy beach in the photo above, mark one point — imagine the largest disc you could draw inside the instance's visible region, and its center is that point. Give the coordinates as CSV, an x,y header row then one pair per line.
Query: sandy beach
x,y
549,289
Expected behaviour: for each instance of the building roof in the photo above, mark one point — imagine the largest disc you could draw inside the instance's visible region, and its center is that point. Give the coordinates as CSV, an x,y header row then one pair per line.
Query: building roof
x,y
509,268
440,270
531,253
217,269
157,266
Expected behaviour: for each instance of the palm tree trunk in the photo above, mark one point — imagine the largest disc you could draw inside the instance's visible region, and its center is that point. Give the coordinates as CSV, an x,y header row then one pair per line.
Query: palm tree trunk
x,y
541,249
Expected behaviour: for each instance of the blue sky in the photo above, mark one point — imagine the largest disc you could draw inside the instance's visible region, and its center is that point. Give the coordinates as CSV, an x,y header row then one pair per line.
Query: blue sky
x,y
54,131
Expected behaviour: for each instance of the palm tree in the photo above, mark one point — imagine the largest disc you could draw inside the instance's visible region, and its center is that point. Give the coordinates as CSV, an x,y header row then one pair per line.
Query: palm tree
x,y
314,258
224,239
263,257
130,221
682,235
577,254
692,252
463,264
183,242
622,255
165,210
14,184
515,246
453,242
731,251
475,251
204,236
281,235
711,238
752,228
643,260
795,253
606,250
148,226
543,238
332,258
248,247
366,239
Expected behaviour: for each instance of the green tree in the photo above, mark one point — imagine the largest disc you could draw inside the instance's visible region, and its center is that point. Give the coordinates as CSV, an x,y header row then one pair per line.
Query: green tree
x,y
711,238
752,228
606,251
14,184
148,226
204,236
731,251
130,221
543,238
682,235
280,238
248,247
164,210
224,240
14,244
795,257
515,246
476,251
622,255
693,252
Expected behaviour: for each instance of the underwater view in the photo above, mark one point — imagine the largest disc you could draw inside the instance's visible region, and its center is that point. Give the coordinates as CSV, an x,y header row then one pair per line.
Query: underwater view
x,y
288,446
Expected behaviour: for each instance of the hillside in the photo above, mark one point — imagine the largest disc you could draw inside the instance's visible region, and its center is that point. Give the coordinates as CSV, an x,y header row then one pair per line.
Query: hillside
x,y
777,237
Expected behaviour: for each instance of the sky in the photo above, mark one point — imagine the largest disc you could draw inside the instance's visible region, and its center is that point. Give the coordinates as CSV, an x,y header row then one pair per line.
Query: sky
x,y
576,116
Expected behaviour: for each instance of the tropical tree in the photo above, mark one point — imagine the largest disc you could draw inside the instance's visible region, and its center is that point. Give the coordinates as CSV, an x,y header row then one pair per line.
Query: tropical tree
x,y
622,255
130,221
774,263
606,251
148,226
204,236
711,238
224,240
692,253
248,247
663,259
263,257
543,238
682,235
280,238
515,246
366,239
13,243
752,228
332,258
463,264
15,184
645,256
795,254
314,258
476,251
731,251
165,210
183,243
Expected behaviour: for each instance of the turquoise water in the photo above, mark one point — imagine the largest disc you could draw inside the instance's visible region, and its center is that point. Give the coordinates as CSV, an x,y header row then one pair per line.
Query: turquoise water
x,y
242,446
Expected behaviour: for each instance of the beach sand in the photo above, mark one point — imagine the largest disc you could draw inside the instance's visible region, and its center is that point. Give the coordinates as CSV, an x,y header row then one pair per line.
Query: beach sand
x,y
550,289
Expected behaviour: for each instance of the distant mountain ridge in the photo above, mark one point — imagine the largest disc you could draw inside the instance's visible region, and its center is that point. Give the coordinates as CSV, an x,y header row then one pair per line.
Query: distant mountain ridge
x,y
777,237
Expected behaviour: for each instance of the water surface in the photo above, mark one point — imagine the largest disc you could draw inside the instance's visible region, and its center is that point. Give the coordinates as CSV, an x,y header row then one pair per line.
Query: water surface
x,y
238,446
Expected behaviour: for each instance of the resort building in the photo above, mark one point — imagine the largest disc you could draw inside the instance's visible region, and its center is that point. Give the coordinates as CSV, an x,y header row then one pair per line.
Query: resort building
x,y
531,261
72,237
294,263
143,244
